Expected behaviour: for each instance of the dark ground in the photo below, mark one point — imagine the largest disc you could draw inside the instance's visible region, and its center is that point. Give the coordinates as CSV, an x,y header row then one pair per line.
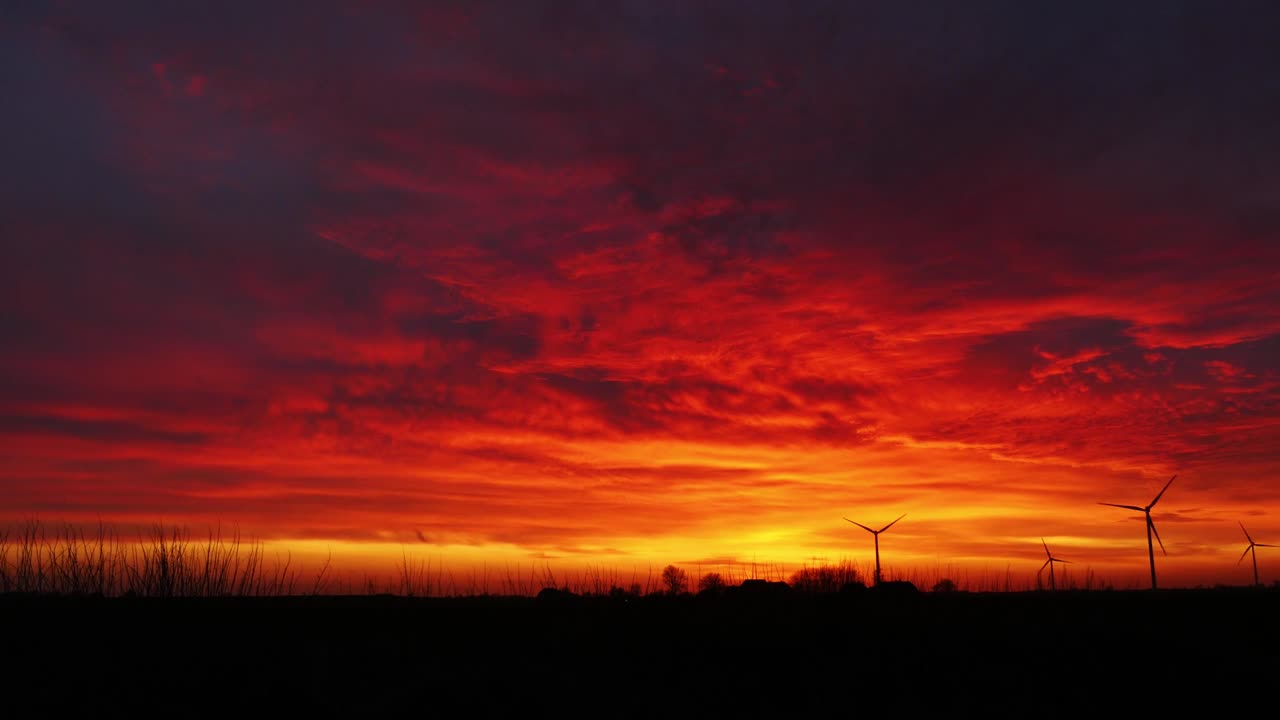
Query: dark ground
x,y
1014,655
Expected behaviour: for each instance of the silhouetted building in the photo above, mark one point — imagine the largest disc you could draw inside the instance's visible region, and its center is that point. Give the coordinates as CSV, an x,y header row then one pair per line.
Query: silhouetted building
x,y
555,595
760,589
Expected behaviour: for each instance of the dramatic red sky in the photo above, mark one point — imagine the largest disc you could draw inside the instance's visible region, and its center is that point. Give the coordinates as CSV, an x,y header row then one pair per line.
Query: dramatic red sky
x,y
627,283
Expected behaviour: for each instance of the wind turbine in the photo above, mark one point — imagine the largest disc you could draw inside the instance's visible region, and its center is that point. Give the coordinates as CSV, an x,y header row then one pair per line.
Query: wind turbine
x,y
1053,585
876,533
1151,528
1249,550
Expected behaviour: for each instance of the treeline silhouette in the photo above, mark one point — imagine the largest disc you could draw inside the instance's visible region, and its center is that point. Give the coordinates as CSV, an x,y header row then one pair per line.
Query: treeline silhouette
x,y
172,562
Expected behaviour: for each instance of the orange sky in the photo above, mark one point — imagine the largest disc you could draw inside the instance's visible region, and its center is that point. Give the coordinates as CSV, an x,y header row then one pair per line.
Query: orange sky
x,y
618,289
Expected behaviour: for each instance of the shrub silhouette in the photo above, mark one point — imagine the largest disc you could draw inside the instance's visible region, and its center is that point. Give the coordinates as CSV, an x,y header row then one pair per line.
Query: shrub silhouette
x,y
675,580
825,578
711,584
896,588
944,585
618,593
555,595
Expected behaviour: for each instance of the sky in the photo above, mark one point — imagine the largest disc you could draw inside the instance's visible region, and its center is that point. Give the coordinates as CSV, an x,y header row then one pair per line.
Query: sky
x,y
622,284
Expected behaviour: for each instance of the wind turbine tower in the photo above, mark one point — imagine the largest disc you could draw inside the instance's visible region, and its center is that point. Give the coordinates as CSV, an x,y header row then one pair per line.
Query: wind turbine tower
x,y
1151,528
1250,550
876,534
1053,584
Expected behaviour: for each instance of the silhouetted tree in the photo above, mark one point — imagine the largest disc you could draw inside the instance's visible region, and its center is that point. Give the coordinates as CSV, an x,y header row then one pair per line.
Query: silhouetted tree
x,y
711,584
944,585
675,580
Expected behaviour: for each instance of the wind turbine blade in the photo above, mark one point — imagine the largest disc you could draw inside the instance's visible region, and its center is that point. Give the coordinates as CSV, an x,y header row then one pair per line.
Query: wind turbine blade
x,y
1166,487
1042,567
1125,506
864,527
1152,524
1246,533
1246,552
1062,561
1046,548
1264,545
886,527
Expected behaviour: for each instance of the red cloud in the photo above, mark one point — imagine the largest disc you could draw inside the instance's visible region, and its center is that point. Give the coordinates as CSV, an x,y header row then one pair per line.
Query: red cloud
x,y
543,285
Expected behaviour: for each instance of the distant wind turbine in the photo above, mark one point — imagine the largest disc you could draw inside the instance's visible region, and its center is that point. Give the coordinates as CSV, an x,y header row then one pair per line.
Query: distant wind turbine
x,y
876,533
1251,549
1151,528
1053,585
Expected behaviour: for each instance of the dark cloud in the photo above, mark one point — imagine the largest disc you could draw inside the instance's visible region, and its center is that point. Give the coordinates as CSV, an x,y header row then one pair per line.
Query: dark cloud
x,y
104,431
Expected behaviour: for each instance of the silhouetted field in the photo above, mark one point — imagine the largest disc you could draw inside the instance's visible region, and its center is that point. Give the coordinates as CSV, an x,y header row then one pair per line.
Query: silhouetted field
x,y
1007,654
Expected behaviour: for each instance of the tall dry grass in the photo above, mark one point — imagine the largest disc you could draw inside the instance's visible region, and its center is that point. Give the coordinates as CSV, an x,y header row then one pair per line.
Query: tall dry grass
x,y
162,562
